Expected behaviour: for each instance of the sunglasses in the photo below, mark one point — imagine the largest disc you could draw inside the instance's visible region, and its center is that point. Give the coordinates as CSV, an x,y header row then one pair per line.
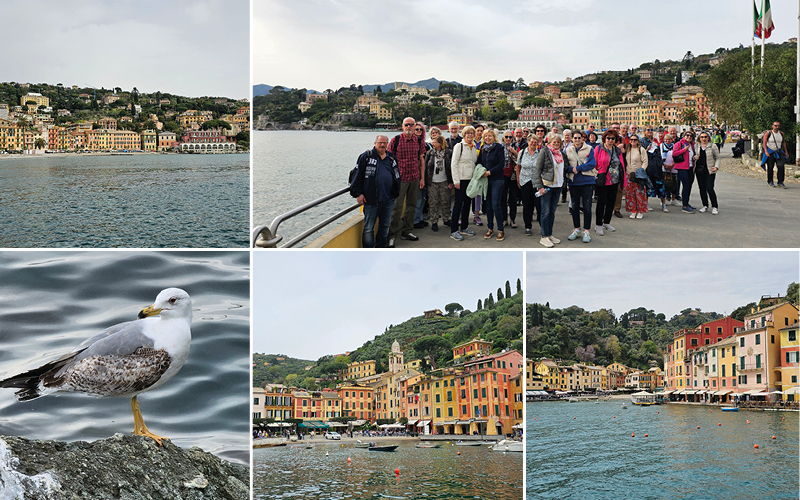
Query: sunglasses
x,y
408,124
417,130
634,140
508,137
648,130
540,131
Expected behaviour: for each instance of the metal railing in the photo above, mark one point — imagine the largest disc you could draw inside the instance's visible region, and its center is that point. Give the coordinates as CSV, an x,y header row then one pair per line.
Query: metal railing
x,y
268,237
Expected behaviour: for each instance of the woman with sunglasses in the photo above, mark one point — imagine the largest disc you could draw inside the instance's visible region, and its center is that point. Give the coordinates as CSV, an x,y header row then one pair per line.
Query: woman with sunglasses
x,y
581,181
706,166
422,198
635,193
610,174
683,155
526,160
477,202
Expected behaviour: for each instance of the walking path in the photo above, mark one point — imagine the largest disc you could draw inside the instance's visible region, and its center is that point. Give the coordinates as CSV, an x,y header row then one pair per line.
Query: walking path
x,y
751,215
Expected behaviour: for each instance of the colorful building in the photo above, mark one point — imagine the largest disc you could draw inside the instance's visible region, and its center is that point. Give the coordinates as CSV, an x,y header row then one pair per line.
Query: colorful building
x,y
790,362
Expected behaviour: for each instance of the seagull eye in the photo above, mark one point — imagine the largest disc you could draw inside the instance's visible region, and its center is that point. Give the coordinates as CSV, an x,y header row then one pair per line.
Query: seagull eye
x,y
173,300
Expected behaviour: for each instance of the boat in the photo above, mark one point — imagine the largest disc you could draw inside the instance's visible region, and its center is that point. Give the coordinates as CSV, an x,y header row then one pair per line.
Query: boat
x,y
572,399
624,406
427,444
469,443
643,398
729,408
385,447
507,445
361,444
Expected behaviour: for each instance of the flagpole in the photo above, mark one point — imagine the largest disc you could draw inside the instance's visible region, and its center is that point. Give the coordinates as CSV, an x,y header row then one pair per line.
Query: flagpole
x,y
797,104
763,34
753,43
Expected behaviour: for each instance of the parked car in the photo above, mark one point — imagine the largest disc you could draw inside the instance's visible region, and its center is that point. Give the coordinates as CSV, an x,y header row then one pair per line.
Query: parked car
x,y
333,435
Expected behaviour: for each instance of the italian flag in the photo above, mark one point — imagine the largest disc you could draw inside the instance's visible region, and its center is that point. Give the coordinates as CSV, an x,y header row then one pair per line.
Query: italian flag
x,y
764,22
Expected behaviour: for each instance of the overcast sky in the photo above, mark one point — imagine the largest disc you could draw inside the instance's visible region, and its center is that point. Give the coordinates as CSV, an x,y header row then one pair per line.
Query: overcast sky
x,y
187,47
666,282
320,44
309,304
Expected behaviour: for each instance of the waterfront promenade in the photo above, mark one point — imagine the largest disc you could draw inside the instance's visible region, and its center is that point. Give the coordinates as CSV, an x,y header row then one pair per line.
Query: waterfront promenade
x,y
751,215
320,439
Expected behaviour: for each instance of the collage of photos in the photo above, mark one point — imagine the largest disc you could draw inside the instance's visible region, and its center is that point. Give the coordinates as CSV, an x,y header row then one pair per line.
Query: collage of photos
x,y
263,249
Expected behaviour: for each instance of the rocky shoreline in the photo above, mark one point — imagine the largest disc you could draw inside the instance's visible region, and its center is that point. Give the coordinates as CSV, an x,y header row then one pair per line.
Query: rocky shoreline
x,y
121,467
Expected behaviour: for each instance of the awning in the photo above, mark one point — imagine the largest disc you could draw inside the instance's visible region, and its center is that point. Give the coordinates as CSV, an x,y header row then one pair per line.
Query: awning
x,y
642,393
279,424
423,423
462,422
516,426
689,391
412,422
723,392
335,424
452,422
776,392
312,424
665,393
792,390
752,392
480,421
356,423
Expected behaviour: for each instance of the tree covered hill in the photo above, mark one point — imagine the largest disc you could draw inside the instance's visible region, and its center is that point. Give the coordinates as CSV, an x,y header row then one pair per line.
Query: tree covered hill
x,y
636,338
430,339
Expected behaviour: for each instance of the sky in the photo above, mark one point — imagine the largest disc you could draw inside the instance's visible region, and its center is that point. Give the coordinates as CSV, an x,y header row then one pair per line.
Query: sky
x,y
307,304
191,48
321,44
666,282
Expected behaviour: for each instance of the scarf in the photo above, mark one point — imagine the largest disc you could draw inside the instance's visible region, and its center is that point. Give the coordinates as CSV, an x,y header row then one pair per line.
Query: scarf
x,y
556,154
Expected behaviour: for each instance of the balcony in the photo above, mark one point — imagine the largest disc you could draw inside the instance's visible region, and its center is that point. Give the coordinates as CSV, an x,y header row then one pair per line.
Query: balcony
x,y
749,366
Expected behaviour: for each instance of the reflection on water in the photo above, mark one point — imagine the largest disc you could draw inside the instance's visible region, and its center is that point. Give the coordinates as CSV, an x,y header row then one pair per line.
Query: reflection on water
x,y
585,450
142,201
52,301
435,473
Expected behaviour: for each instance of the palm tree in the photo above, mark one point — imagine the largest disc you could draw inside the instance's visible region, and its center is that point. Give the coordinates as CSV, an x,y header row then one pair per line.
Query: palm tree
x,y
39,144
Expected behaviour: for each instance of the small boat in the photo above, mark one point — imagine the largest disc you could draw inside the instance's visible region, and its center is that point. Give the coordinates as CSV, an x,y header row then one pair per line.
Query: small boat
x,y
361,444
507,445
729,408
427,444
624,406
469,443
376,447
572,400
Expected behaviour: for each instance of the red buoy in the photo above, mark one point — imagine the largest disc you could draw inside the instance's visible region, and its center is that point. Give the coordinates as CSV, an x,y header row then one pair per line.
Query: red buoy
x,y
633,435
397,471
720,424
773,437
348,460
645,435
459,453
755,446
698,426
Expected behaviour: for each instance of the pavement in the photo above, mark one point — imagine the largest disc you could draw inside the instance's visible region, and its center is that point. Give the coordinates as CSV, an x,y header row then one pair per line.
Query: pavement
x,y
751,215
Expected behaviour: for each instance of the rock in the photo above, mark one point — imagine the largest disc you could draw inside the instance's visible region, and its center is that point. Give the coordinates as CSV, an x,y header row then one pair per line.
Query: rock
x,y
123,467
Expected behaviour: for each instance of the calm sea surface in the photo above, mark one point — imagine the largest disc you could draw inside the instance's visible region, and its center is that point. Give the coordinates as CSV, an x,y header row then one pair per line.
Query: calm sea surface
x,y
138,201
291,168
432,473
52,301
579,450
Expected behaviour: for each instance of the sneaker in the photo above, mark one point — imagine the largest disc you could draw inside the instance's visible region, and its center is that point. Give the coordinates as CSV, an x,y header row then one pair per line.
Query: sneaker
x,y
609,227
771,184
513,225
456,236
649,208
677,197
410,237
639,215
586,237
664,207
633,215
714,211
435,227
488,234
574,234
687,210
467,231
554,239
676,203
703,210
599,230
391,243
477,220
545,242
501,235
528,232
780,184
420,224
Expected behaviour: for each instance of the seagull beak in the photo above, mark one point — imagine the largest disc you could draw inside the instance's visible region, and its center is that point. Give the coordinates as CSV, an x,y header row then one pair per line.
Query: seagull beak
x,y
148,311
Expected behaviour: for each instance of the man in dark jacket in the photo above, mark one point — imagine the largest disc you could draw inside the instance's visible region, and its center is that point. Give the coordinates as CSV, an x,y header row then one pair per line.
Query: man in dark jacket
x,y
376,185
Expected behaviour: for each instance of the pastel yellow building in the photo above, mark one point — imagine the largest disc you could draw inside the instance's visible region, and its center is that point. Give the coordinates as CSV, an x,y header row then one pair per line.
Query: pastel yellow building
x,y
149,140
39,99
790,362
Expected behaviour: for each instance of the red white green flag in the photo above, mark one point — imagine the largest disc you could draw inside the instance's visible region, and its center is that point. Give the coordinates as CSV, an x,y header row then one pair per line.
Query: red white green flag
x,y
764,23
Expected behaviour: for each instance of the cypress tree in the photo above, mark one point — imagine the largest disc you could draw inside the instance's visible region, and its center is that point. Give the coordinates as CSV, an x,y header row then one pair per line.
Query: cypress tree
x,y
519,285
508,289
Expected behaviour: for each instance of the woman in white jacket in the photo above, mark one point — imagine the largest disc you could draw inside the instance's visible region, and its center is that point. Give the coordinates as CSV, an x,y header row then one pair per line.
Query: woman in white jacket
x,y
465,156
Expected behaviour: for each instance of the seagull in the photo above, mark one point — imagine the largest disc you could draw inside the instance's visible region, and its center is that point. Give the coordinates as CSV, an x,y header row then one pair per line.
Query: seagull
x,y
123,360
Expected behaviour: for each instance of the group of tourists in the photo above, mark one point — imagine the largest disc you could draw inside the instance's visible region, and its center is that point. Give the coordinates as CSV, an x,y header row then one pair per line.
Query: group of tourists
x,y
491,172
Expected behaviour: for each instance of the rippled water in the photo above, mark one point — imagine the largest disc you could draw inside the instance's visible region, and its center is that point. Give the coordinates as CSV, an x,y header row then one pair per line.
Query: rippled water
x,y
139,201
432,473
51,301
291,168
579,450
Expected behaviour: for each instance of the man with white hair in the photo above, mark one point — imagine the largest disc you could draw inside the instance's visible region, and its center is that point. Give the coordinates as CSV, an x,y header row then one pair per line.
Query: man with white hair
x,y
454,137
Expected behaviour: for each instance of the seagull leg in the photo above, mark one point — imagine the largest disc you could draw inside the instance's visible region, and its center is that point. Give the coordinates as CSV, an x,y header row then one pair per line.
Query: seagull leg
x,y
140,429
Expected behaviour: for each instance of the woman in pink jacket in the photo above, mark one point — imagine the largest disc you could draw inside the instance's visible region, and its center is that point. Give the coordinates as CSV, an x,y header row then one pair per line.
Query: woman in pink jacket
x,y
610,174
683,155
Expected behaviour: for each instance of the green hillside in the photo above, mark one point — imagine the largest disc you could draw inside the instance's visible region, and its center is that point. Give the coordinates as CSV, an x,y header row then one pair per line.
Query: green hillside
x,y
497,321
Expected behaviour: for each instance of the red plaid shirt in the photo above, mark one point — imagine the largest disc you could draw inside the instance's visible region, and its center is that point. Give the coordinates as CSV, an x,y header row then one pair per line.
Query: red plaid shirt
x,y
407,150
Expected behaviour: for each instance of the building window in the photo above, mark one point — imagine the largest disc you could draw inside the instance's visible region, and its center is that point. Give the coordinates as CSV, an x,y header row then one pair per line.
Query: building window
x,y
741,342
792,335
694,342
758,339
758,378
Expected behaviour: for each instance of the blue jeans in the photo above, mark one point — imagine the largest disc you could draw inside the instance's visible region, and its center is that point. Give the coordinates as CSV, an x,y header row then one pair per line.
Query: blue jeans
x,y
382,212
549,204
686,178
494,204
422,198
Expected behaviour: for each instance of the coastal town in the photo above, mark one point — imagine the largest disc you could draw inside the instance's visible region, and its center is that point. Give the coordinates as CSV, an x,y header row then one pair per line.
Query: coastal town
x,y
118,121
751,363
479,393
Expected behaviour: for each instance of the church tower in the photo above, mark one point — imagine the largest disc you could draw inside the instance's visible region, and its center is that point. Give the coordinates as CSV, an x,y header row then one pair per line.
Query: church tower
x,y
395,358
